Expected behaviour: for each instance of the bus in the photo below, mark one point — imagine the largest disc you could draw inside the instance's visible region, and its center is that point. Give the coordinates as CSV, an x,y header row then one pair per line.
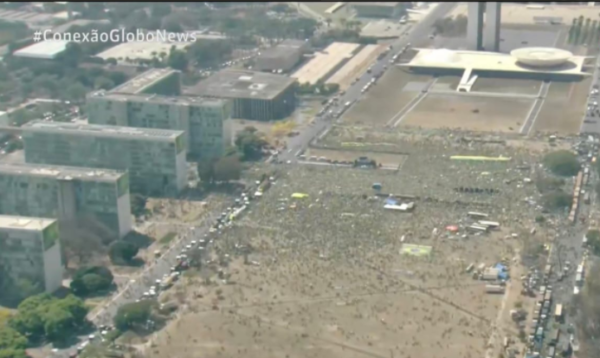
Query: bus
x,y
558,312
476,215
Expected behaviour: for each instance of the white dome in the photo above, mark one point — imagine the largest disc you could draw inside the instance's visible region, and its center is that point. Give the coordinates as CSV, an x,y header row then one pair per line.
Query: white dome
x,y
441,56
541,56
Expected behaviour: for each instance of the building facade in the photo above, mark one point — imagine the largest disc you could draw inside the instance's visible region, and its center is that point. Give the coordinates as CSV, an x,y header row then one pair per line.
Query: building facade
x,y
67,193
255,95
480,35
154,158
30,251
205,121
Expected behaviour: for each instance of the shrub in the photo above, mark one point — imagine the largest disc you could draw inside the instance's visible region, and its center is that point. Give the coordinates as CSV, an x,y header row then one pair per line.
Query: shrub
x,y
562,162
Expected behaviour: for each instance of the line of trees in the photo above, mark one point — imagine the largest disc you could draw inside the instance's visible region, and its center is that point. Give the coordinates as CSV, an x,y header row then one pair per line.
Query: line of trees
x,y
584,31
41,318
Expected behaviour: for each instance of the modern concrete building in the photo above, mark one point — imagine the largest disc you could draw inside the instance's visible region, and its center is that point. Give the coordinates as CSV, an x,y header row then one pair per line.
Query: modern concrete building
x,y
282,57
491,30
205,121
480,36
378,9
163,81
155,158
256,95
30,250
67,193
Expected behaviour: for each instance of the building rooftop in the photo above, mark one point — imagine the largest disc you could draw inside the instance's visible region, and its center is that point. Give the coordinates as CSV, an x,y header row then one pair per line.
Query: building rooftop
x,y
231,83
24,223
144,80
324,62
62,172
145,50
489,61
154,98
98,130
43,50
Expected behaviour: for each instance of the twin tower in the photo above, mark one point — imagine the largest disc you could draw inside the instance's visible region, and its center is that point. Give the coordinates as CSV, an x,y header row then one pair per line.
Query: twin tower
x,y
480,37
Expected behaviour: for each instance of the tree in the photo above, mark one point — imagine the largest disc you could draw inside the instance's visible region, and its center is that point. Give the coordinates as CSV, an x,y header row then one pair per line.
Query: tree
x,y
227,169
57,324
138,205
75,92
250,144
28,321
206,171
13,353
557,200
593,237
172,26
89,280
103,83
178,60
133,314
160,10
11,339
562,162
122,251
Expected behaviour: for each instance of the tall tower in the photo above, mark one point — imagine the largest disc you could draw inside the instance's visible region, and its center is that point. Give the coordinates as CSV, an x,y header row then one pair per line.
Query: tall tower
x,y
480,36
491,36
475,26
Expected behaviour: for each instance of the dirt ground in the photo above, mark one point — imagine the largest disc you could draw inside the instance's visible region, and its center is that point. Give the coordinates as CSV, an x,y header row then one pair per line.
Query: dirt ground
x,y
306,302
456,111
386,159
385,99
563,108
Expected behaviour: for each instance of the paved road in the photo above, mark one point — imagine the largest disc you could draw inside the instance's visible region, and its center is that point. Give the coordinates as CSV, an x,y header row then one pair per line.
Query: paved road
x,y
418,31
135,288
592,124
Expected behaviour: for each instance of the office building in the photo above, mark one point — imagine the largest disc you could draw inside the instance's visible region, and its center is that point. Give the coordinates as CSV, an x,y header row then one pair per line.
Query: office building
x,y
30,251
255,95
282,57
155,158
67,193
163,81
205,121
482,36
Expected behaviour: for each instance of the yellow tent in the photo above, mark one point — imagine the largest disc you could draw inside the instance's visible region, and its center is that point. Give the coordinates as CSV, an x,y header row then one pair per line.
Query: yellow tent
x,y
299,196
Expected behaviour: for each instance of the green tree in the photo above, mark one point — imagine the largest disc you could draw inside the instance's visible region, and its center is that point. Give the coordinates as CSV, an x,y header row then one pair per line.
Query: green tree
x,y
160,10
75,92
28,321
11,339
206,171
133,314
122,251
58,324
250,144
227,169
562,162
103,83
172,26
13,353
138,205
593,237
178,60
557,200
90,280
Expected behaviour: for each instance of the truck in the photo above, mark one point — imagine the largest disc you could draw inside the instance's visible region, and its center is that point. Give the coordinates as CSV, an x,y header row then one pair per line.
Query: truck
x,y
494,289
